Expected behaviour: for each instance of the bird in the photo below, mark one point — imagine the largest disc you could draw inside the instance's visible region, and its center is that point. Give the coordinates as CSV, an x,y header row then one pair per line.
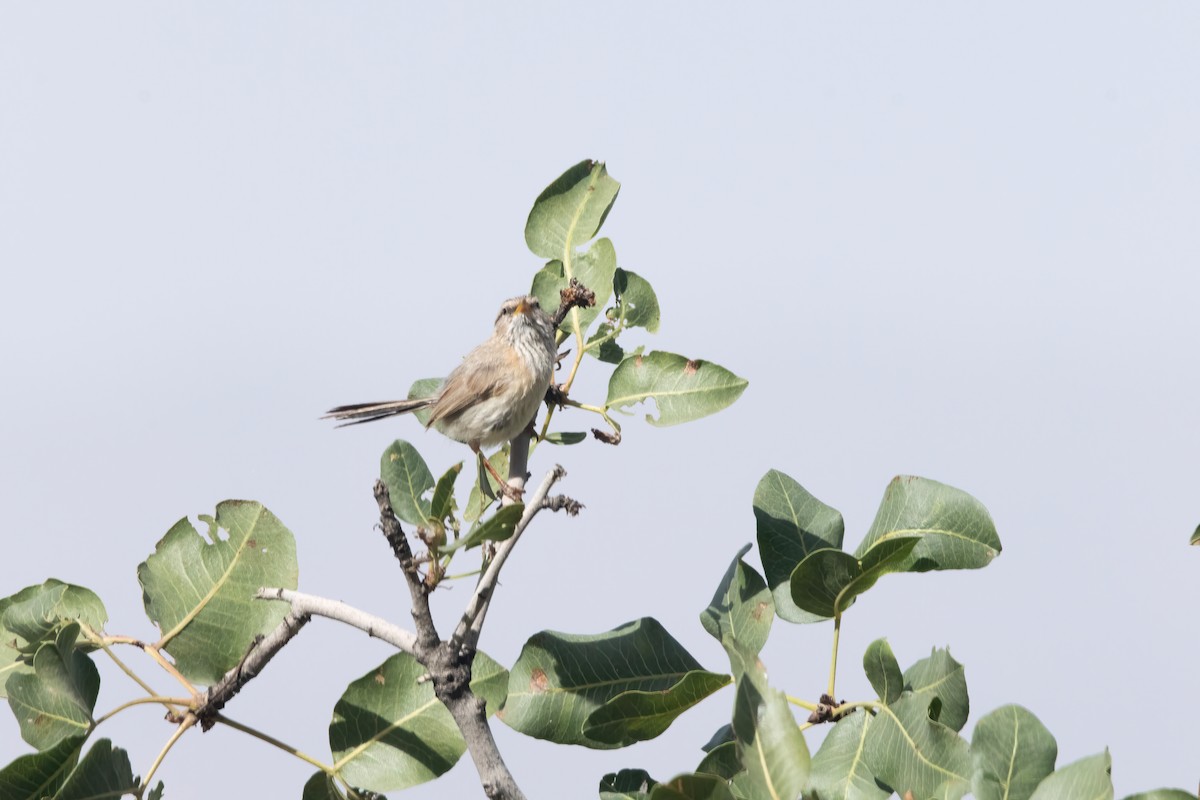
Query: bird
x,y
493,394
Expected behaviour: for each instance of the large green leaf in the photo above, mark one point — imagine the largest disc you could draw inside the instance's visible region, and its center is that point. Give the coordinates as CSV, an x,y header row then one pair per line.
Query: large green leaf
x,y
104,772
570,211
683,389
628,784
1163,794
636,716
1011,752
692,787
791,524
1194,540
908,751
594,269
770,744
36,614
200,591
942,677
883,671
560,679
740,613
390,732
1086,779
956,531
56,701
39,775
407,478
827,582
839,770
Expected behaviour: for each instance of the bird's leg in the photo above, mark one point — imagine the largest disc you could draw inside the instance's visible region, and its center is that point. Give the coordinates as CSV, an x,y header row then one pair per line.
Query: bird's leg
x,y
511,492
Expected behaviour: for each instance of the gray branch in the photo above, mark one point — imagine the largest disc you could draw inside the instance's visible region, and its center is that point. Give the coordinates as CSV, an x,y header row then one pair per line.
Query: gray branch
x,y
376,627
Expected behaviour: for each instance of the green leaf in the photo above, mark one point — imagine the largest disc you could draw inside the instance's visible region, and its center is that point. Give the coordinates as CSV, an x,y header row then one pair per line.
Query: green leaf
x,y
390,732
883,671
570,211
157,792
628,784
692,787
722,735
594,269
603,345
321,787
200,591
1195,536
637,716
36,614
560,679
420,389
770,744
442,506
908,751
956,531
1163,794
564,437
407,478
827,582
1011,752
942,677
1086,779
740,613
722,761
55,703
636,304
791,524
477,502
103,772
839,771
39,775
683,389
496,528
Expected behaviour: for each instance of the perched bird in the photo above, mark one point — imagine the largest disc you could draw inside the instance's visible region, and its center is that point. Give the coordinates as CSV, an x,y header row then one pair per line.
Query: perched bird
x,y
493,394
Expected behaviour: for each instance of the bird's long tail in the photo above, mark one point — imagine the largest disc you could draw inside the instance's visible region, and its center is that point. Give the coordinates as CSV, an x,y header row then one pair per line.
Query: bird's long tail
x,y
369,412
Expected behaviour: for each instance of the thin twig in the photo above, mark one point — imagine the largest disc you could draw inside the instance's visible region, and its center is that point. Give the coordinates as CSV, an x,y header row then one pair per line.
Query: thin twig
x,y
477,605
427,635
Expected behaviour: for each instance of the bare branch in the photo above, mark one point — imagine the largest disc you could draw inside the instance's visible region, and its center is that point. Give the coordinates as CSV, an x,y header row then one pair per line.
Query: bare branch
x,y
477,605
373,626
261,651
427,634
576,295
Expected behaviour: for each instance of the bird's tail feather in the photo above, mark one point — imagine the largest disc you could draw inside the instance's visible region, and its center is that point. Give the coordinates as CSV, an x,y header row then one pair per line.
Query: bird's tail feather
x,y
359,413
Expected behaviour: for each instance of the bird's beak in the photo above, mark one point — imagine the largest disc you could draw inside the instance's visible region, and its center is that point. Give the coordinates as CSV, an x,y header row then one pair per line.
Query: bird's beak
x,y
522,307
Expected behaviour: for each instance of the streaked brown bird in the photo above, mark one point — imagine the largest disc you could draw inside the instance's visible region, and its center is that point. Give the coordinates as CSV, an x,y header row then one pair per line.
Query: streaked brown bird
x,y
493,394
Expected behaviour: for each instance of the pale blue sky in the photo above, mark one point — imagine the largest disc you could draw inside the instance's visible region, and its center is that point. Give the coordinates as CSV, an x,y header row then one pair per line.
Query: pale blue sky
x,y
940,239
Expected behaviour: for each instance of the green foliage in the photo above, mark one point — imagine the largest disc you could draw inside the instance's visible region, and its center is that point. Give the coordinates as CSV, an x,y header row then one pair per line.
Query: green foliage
x,y
200,591
34,616
1011,753
407,478
769,743
389,732
683,389
740,614
604,690
883,671
955,529
1086,779
791,524
55,702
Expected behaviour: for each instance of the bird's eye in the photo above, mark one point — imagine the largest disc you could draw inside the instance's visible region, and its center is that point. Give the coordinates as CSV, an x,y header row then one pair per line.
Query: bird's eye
x,y
506,310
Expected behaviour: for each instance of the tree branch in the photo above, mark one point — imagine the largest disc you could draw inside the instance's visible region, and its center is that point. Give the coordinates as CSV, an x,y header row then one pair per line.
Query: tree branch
x,y
427,635
477,605
373,626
